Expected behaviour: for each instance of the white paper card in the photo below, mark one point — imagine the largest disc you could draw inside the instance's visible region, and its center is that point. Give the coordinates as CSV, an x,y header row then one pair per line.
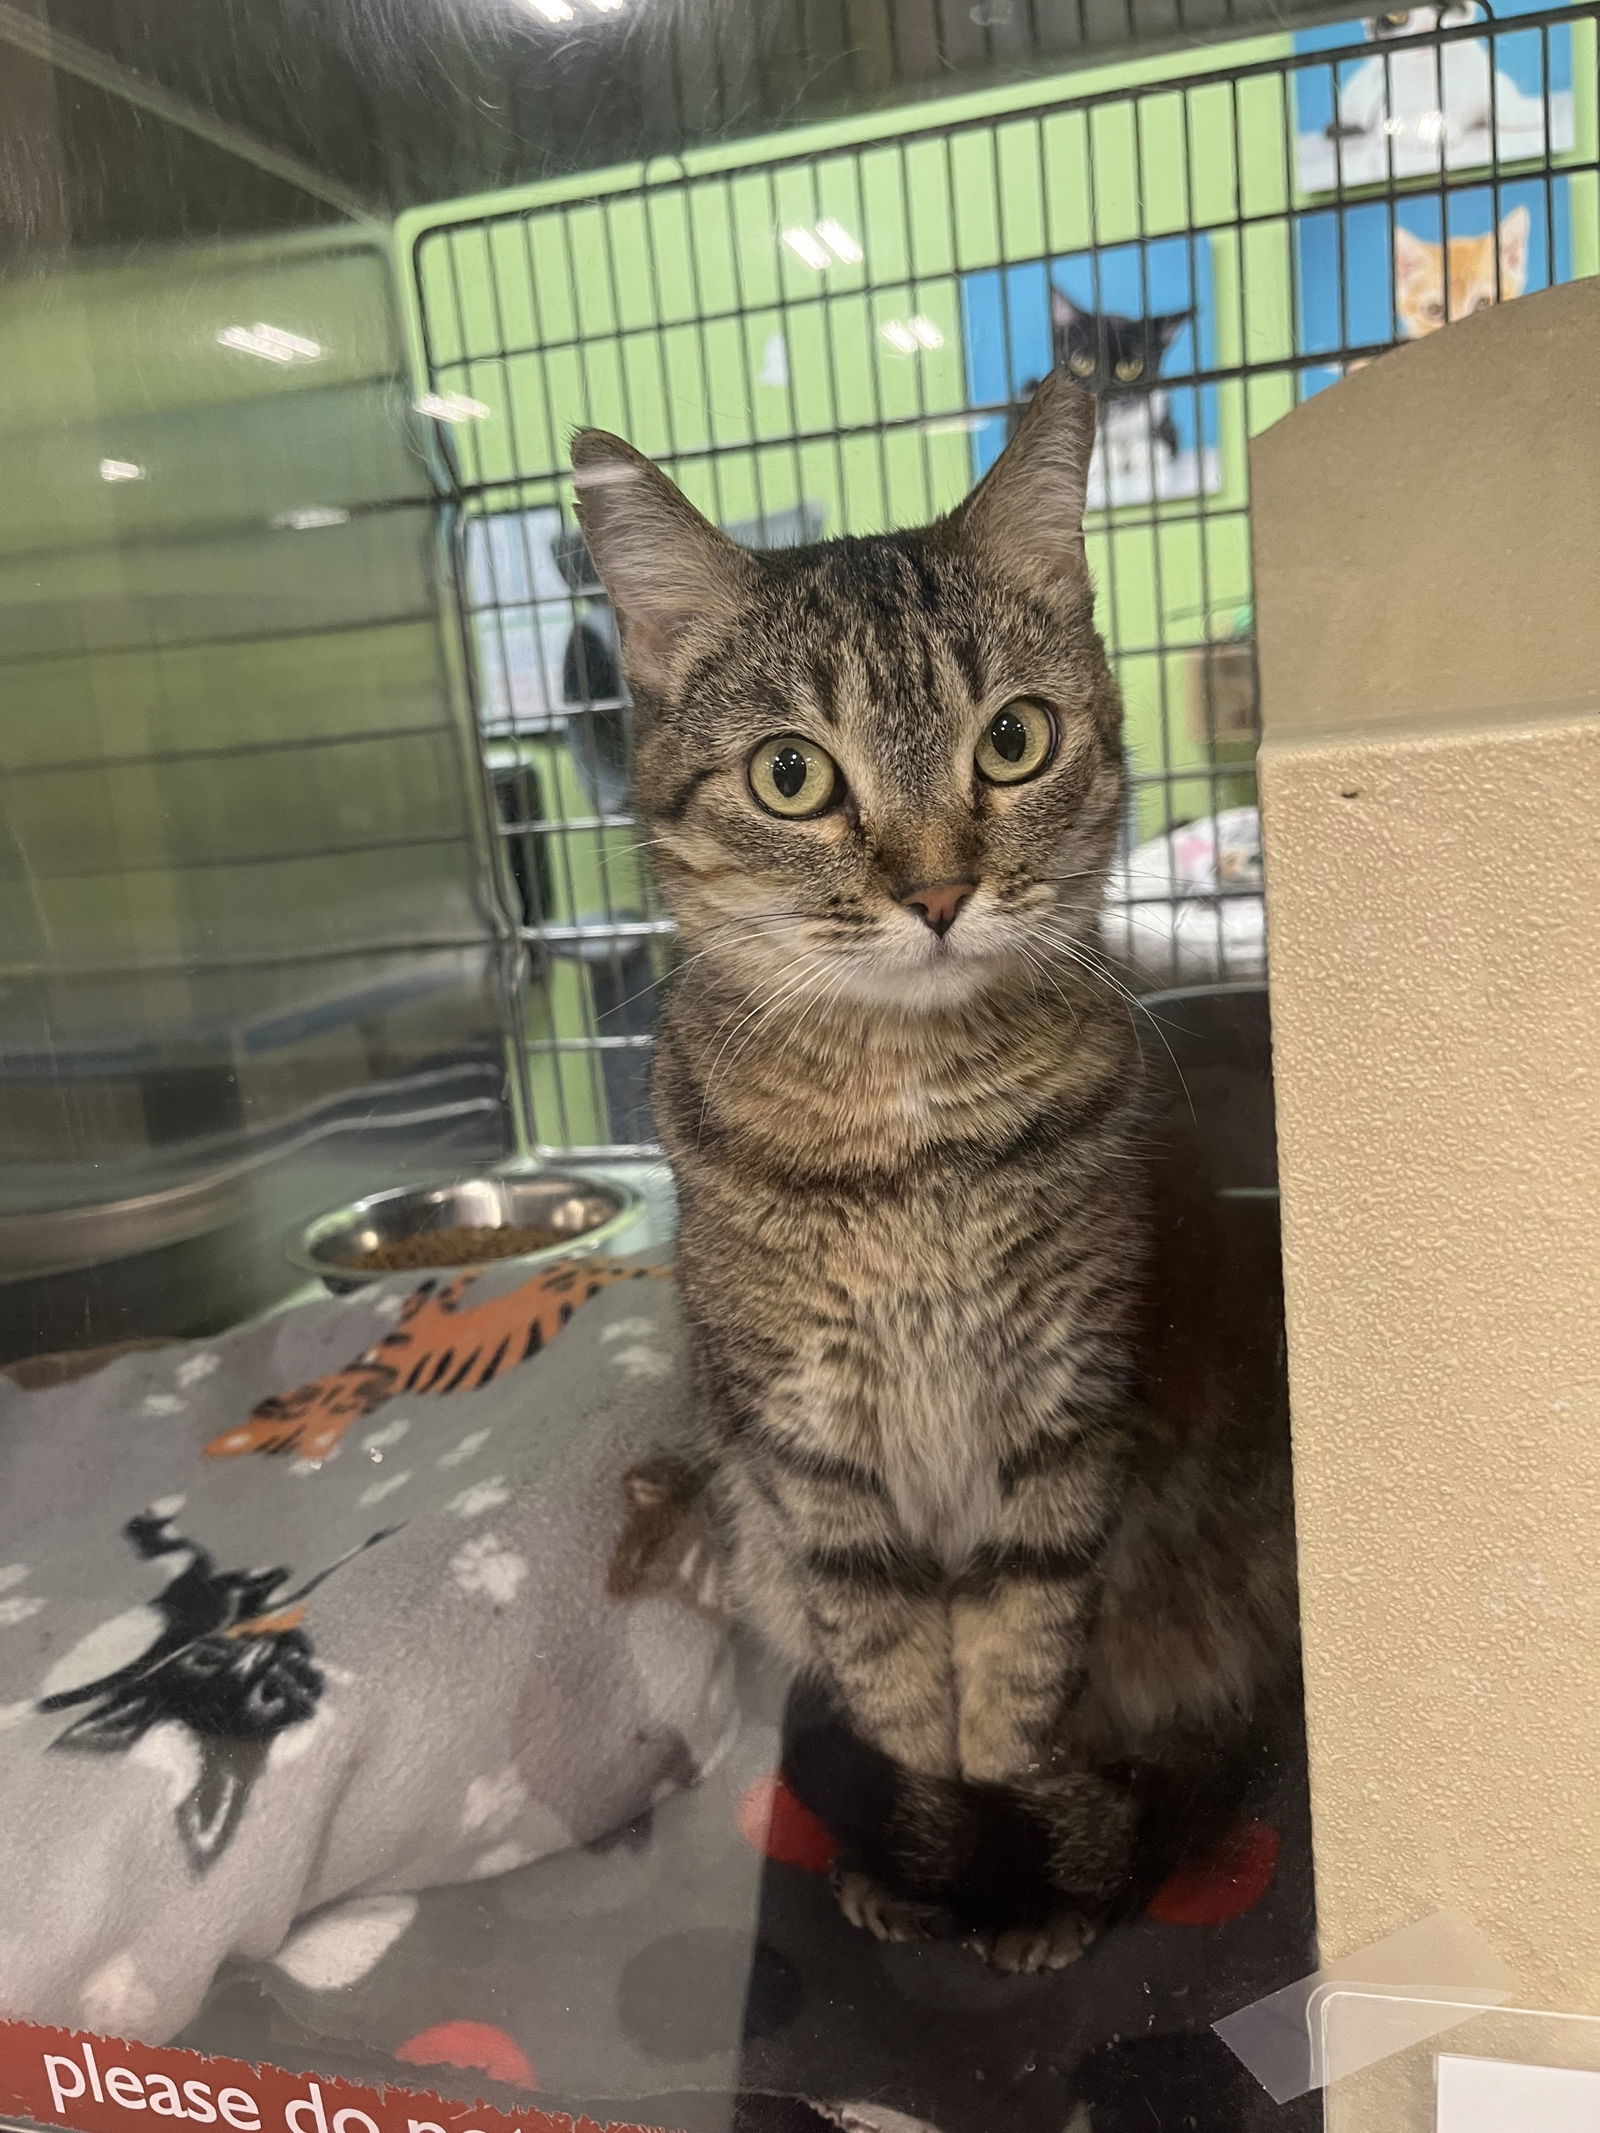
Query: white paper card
x,y
1493,2096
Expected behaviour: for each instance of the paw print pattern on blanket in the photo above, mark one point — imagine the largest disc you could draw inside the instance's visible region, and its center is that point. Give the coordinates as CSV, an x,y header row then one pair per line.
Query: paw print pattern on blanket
x,y
440,1343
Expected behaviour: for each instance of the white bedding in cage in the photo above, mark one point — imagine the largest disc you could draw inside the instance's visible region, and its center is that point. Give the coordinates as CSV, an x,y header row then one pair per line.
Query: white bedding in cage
x,y
1188,904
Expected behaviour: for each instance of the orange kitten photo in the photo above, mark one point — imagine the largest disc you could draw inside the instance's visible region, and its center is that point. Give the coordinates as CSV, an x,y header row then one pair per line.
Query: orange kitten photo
x,y
1437,283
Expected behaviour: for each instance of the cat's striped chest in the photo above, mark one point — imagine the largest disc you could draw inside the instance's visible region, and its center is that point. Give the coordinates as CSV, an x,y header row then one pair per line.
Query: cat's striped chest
x,y
909,1391
937,1445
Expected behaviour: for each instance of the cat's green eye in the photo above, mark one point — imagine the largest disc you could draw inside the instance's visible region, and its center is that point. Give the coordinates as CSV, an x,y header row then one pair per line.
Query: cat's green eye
x,y
1081,363
1129,369
793,777
1017,743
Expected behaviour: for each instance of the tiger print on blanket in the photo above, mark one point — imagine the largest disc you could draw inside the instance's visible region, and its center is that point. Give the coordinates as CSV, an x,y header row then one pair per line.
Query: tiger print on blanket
x,y
440,1343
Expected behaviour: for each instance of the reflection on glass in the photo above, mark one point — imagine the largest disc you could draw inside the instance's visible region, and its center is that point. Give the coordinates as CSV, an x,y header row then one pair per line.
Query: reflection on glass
x,y
249,946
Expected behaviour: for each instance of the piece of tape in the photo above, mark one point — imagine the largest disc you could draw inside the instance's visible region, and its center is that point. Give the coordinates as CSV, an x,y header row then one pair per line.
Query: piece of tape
x,y
1413,1985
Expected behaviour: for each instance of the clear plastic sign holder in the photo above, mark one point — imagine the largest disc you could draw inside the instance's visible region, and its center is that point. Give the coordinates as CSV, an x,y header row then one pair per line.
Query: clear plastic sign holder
x,y
1392,2062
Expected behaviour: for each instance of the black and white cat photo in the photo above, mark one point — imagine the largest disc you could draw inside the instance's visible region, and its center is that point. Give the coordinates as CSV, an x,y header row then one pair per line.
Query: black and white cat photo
x,y
1119,359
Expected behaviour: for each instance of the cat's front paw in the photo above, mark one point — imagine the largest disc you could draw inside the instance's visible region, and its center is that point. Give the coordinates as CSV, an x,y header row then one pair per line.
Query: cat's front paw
x,y
1020,1951
876,1910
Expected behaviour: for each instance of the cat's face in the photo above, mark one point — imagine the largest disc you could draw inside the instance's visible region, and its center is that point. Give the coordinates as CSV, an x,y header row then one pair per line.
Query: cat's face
x,y
1436,283
1106,353
887,768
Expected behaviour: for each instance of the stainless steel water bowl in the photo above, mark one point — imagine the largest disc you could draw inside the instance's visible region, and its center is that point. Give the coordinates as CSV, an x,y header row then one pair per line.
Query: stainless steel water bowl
x,y
584,1212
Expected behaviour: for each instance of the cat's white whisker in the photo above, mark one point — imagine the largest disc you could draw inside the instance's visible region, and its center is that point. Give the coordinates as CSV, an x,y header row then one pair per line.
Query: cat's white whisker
x,y
1056,987
1078,952
772,1000
792,994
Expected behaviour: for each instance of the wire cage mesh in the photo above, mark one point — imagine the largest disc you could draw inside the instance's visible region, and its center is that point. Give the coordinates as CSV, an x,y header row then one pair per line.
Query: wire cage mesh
x,y
837,337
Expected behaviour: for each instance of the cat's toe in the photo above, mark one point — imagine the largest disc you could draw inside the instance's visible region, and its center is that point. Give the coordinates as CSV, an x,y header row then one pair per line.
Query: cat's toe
x,y
872,1907
1021,1951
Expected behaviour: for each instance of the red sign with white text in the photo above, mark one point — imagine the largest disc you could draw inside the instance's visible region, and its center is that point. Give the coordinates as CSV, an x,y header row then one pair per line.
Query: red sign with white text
x,y
60,2077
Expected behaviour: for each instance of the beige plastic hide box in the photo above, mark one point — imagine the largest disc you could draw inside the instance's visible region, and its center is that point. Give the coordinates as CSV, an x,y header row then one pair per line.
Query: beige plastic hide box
x,y
1427,543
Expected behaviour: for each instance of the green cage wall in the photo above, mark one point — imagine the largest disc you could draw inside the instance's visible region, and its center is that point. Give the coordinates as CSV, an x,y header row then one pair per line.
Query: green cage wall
x,y
829,332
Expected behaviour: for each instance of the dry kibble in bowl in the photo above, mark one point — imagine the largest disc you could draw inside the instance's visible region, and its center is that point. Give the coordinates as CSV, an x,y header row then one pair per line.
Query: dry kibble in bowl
x,y
462,1246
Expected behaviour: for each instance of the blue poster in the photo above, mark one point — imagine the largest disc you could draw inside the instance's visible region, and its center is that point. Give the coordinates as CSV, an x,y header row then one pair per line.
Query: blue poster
x,y
1429,109
1378,273
1132,324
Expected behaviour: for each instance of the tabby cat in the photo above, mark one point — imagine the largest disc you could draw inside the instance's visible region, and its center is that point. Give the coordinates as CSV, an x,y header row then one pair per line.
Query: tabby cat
x,y
883,778
1436,283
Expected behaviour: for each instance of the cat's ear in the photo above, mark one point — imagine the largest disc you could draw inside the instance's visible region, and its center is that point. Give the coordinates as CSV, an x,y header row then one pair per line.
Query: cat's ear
x,y
1024,521
665,567
1513,250
1169,325
1063,310
1413,257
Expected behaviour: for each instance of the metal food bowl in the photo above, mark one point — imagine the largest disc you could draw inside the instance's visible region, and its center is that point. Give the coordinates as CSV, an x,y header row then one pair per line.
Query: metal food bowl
x,y
585,1213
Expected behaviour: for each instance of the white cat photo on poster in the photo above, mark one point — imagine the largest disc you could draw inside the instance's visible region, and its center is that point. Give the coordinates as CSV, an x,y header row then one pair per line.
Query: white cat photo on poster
x,y
1413,110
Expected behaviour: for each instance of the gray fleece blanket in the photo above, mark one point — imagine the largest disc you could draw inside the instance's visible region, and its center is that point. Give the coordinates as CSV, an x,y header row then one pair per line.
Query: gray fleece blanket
x,y
376,1594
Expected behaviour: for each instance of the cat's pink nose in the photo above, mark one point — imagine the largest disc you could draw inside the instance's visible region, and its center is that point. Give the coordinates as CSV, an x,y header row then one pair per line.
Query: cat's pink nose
x,y
938,903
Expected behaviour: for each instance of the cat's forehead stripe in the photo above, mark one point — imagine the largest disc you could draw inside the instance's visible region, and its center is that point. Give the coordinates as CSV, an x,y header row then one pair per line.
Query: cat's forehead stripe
x,y
878,624
968,655
880,634
823,679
